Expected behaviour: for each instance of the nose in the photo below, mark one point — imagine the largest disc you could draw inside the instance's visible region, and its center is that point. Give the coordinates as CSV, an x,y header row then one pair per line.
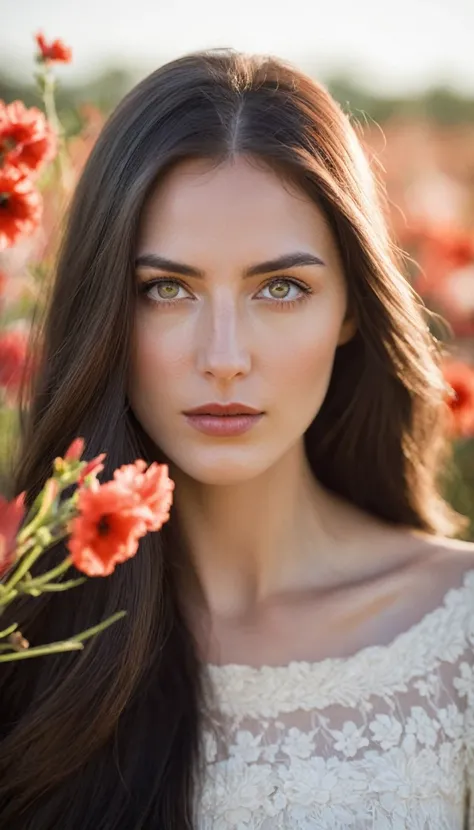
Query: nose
x,y
223,354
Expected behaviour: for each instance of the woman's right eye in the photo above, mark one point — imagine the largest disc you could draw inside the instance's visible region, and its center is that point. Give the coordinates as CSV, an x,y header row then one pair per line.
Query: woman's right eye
x,y
163,290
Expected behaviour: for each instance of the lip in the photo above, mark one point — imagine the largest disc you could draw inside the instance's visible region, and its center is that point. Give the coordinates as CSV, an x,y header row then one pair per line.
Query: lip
x,y
223,420
224,409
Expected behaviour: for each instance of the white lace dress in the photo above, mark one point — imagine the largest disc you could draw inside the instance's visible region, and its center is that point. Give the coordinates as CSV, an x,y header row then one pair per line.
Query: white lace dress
x,y
381,740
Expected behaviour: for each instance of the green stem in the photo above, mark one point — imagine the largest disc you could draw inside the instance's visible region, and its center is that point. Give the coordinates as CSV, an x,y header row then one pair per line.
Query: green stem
x,y
37,651
21,549
74,644
50,575
30,528
9,630
27,588
90,632
23,567
47,498
53,118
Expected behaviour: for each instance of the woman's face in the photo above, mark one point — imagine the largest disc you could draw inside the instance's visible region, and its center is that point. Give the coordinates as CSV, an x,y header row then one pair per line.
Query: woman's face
x,y
242,300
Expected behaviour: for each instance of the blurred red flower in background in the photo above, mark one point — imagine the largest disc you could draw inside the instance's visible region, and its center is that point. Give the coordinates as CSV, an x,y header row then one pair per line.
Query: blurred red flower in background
x,y
27,141
20,206
13,360
11,516
460,378
55,51
439,251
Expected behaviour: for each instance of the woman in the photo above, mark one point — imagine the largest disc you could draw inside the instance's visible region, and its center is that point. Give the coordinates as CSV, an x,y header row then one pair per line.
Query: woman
x,y
298,646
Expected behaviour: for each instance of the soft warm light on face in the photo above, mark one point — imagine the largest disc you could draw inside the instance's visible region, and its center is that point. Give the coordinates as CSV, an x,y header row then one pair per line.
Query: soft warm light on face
x,y
241,299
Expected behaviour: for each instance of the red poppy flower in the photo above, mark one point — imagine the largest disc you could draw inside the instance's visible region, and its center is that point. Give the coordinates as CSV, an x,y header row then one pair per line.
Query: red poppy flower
x,y
460,378
106,531
55,51
115,515
27,140
13,355
11,517
151,488
20,206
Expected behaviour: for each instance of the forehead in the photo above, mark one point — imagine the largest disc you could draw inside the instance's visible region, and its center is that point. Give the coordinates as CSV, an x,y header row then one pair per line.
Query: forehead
x,y
239,205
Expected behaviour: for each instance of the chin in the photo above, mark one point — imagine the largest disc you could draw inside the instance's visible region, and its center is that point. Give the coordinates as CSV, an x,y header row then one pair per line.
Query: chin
x,y
228,468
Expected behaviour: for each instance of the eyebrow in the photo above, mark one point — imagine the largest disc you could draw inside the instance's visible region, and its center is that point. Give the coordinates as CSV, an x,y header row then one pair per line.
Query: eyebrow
x,y
281,263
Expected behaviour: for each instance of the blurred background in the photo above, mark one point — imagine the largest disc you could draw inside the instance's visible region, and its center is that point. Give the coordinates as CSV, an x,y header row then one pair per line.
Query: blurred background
x,y
403,71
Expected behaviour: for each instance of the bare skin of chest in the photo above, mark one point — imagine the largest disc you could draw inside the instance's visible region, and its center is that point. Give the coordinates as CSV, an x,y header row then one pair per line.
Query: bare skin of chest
x,y
312,625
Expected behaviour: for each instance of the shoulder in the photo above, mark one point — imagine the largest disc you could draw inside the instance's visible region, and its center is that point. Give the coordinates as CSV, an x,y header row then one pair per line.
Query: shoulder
x,y
436,576
445,561
442,577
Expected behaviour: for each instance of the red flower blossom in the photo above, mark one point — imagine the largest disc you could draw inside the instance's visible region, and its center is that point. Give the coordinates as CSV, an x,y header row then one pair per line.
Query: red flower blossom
x,y
20,206
115,515
106,531
11,517
460,378
75,450
27,140
440,251
13,356
92,468
457,247
55,51
151,488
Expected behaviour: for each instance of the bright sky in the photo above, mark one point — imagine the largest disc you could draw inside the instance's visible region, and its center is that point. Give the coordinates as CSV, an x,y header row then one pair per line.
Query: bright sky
x,y
398,45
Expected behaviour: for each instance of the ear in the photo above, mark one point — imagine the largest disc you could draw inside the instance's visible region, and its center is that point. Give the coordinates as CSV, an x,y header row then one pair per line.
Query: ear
x,y
348,330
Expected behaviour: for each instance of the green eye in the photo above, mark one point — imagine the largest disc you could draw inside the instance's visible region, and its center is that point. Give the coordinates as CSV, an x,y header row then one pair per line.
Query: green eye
x,y
279,289
167,290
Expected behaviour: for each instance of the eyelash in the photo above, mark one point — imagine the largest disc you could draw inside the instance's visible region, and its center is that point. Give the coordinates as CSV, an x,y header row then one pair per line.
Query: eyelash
x,y
145,288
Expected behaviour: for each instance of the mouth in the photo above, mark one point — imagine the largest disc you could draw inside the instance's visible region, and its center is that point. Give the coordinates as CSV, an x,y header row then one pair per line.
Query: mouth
x,y
223,420
224,410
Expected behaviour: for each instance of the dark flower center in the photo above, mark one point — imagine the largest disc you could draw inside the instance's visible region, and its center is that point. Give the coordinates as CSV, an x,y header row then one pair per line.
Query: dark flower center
x,y
9,143
461,398
4,197
103,526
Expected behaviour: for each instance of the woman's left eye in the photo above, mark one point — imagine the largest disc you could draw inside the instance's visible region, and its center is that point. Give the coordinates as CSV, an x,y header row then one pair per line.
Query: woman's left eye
x,y
285,290
163,290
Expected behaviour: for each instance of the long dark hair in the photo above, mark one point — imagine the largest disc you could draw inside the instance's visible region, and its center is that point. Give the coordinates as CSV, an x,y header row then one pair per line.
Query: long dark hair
x,y
109,739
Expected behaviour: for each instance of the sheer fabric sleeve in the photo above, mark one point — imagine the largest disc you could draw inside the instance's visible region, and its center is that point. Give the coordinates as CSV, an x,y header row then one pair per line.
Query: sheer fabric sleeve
x,y
466,687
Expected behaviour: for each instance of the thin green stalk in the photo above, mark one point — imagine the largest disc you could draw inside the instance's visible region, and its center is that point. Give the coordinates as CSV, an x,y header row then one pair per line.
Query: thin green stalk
x,y
9,630
74,644
37,651
53,118
45,506
23,567
90,632
48,576
28,588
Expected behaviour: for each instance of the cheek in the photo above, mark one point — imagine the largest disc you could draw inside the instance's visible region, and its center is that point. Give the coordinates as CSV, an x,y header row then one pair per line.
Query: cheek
x,y
158,368
301,363
160,358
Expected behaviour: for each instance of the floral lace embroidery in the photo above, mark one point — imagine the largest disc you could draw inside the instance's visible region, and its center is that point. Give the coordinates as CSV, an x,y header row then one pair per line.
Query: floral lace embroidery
x,y
381,740
442,635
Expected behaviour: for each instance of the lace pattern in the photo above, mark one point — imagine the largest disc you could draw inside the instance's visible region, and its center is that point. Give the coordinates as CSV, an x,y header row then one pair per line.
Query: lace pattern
x,y
381,740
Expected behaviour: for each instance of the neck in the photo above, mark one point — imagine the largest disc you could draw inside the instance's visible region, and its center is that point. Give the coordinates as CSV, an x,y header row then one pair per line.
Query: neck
x,y
250,541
